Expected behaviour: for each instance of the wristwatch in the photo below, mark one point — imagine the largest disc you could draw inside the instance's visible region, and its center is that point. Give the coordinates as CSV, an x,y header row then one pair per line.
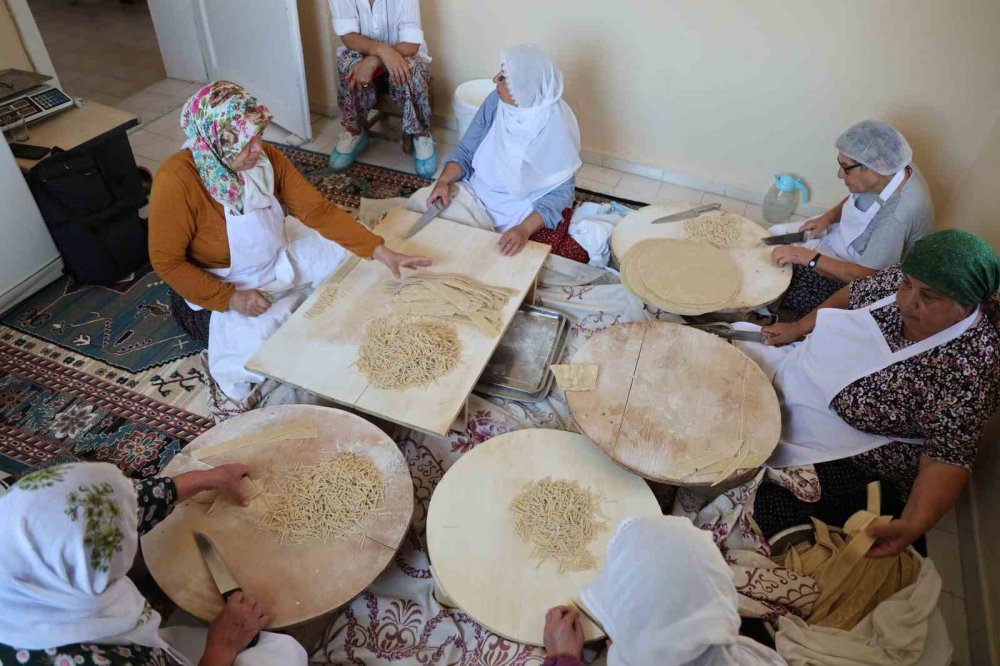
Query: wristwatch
x,y
815,260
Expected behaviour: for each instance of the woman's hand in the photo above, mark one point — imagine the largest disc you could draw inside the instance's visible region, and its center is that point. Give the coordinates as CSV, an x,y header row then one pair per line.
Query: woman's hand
x,y
514,240
225,479
362,73
395,64
892,538
232,630
441,194
394,260
816,226
777,335
563,634
251,302
792,254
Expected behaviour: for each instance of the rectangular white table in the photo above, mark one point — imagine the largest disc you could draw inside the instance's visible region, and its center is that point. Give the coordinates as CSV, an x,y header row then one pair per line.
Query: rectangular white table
x,y
317,347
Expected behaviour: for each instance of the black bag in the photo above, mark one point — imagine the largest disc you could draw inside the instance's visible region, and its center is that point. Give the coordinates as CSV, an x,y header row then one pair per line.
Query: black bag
x,y
90,201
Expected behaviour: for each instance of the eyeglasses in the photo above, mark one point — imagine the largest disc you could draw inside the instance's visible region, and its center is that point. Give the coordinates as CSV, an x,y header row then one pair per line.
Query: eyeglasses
x,y
847,168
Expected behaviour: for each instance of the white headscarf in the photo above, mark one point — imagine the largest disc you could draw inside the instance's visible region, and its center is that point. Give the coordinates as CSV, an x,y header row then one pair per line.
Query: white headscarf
x,y
70,534
536,143
666,598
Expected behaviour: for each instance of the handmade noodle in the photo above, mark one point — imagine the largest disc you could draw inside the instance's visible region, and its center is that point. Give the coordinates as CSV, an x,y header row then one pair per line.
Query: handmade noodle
x,y
560,518
453,297
722,231
324,501
400,352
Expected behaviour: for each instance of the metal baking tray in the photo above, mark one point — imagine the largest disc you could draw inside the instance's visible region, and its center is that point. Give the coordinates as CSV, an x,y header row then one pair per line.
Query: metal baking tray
x,y
519,368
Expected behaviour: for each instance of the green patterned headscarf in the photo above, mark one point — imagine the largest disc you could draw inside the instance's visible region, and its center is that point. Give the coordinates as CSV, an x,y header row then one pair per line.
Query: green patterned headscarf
x,y
960,265
220,120
70,534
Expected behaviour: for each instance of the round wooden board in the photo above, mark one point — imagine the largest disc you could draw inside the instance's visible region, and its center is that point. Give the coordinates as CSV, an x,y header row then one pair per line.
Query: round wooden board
x,y
296,583
479,560
761,282
691,396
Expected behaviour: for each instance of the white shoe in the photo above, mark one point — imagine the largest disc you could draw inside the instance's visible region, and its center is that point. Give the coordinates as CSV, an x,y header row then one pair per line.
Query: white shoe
x,y
423,147
347,142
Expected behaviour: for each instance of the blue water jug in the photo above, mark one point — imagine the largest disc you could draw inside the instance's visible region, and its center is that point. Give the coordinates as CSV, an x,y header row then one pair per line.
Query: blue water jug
x,y
783,198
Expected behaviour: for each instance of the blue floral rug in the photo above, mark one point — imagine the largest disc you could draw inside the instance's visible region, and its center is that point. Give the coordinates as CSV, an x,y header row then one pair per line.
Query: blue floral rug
x,y
127,325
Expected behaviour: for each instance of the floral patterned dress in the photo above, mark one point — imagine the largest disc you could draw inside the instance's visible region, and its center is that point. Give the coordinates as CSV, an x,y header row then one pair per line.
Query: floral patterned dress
x,y
943,396
157,497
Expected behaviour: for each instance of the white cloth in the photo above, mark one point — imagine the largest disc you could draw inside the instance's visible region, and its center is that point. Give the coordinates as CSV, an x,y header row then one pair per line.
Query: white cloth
x,y
666,598
54,588
386,21
531,148
905,629
845,345
267,251
592,226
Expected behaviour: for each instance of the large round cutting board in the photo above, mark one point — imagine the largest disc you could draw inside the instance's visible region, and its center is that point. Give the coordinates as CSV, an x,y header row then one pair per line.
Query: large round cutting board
x,y
478,559
675,404
295,583
761,282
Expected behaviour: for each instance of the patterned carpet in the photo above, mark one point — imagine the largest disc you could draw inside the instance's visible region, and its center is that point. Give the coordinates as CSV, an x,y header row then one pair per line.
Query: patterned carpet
x,y
104,373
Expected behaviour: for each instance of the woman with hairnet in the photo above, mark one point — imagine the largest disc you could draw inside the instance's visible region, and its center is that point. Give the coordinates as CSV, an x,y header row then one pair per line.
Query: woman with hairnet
x,y
888,210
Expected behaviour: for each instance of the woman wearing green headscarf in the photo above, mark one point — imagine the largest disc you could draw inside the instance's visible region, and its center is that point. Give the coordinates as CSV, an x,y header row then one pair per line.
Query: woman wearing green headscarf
x,y
892,379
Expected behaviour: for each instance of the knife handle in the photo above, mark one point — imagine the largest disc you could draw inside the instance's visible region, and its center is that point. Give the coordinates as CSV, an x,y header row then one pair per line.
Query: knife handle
x,y
225,598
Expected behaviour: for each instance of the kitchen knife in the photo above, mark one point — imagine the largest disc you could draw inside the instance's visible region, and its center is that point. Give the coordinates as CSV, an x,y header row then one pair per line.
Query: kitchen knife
x,y
687,214
785,239
432,211
221,575
731,334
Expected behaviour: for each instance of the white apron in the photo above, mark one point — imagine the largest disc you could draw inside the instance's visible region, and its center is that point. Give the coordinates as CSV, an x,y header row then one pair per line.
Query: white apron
x,y
836,242
279,256
505,210
845,346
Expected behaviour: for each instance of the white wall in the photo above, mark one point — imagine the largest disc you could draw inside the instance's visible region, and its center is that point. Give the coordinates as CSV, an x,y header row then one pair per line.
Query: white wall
x,y
730,90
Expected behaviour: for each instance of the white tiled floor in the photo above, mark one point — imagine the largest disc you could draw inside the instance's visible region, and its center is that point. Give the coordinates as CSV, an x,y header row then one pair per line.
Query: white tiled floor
x,y
123,61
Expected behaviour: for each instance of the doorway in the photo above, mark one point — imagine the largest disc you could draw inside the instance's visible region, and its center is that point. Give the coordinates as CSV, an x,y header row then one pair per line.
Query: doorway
x,y
106,51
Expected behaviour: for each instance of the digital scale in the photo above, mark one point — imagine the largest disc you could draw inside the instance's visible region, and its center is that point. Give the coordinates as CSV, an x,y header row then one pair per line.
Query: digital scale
x,y
27,94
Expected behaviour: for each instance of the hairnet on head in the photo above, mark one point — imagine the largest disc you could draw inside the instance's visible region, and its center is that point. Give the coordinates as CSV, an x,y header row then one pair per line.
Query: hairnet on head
x,y
878,146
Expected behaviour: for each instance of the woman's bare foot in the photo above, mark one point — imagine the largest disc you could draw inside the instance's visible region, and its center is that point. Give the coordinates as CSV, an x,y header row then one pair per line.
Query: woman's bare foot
x,y
232,630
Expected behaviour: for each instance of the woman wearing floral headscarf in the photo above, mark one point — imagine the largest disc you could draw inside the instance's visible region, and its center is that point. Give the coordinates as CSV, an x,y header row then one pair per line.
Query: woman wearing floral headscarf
x,y
218,234
70,534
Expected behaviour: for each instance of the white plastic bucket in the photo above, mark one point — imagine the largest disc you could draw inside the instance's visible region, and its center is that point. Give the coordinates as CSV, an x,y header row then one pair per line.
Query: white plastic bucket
x,y
469,97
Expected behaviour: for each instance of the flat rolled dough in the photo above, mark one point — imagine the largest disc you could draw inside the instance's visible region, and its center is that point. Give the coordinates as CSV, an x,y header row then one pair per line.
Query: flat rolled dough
x,y
687,272
575,376
681,276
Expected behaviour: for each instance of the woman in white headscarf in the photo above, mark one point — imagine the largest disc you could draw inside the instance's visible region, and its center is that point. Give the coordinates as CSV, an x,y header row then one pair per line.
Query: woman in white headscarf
x,y
70,534
665,597
520,153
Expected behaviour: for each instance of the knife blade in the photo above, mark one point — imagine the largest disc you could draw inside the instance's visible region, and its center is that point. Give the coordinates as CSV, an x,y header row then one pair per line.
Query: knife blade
x,y
731,334
785,239
432,211
220,573
687,214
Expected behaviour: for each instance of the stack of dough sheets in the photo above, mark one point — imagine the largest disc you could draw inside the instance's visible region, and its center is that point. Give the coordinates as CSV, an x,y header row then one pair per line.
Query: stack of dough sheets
x,y
681,276
452,297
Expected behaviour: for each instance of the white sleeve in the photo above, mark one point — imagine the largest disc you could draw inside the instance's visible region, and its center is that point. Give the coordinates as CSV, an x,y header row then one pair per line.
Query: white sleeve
x,y
409,22
345,17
